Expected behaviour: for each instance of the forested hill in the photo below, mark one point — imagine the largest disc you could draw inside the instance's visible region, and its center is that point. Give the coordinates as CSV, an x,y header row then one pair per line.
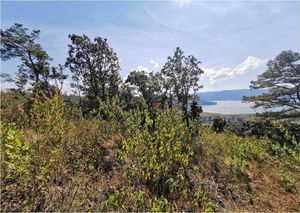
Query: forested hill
x,y
229,94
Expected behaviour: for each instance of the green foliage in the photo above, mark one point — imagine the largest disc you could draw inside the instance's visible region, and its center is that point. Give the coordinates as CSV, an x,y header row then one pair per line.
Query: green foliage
x,y
131,153
95,67
292,149
159,164
236,152
147,85
282,81
12,107
244,152
111,110
287,180
39,160
35,68
159,158
15,153
130,200
195,111
84,151
16,158
183,74
218,124
160,205
125,199
202,200
47,116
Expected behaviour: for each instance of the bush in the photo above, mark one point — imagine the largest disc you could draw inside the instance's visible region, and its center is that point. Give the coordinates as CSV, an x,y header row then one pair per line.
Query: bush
x,y
15,167
158,161
12,103
218,125
160,158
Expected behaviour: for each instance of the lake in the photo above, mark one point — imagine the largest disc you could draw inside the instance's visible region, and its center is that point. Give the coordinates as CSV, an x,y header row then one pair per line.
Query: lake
x,y
231,107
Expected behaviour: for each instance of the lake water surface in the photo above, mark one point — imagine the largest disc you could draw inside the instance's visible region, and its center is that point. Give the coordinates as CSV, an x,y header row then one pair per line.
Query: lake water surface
x,y
231,107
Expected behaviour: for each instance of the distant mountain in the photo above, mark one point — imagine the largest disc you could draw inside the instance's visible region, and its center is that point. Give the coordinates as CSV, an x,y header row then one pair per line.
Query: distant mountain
x,y
210,98
228,95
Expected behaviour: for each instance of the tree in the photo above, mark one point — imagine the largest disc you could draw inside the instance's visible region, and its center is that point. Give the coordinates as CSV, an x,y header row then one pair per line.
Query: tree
x,y
4,77
183,75
282,81
17,42
196,110
127,97
146,84
95,68
218,124
165,85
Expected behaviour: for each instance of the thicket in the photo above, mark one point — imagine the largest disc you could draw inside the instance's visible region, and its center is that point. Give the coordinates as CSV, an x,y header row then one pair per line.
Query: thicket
x,y
58,160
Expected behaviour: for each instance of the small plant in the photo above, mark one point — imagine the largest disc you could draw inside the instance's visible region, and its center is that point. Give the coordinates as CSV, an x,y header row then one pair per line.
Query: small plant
x,y
286,180
16,158
202,200
47,116
15,153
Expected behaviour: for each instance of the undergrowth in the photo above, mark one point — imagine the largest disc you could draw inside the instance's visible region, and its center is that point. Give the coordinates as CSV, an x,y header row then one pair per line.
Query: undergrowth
x,y
55,159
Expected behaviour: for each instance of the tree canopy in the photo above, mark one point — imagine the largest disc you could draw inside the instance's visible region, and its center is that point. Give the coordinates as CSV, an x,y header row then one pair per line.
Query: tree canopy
x,y
146,84
95,68
282,81
183,74
35,68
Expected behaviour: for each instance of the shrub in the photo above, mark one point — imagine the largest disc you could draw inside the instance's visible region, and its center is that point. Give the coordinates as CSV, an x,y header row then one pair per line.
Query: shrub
x,y
12,107
15,167
160,158
218,125
15,155
157,160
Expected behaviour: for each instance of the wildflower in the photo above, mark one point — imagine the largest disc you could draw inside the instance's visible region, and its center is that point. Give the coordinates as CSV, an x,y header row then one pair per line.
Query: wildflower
x,y
157,104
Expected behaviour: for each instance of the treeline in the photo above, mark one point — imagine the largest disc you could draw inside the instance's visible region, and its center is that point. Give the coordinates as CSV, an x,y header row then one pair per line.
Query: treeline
x,y
95,68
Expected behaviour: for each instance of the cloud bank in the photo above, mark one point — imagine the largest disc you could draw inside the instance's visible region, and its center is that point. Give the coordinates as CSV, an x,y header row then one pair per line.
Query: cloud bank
x,y
220,74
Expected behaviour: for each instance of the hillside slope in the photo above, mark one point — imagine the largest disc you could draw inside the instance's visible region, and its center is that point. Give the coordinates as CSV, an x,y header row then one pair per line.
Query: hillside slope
x,y
57,160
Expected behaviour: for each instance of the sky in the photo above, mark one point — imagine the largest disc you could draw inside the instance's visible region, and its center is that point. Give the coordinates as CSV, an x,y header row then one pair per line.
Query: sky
x,y
233,39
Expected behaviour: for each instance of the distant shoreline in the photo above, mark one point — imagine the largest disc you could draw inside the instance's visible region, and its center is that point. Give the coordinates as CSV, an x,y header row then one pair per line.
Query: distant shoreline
x,y
208,114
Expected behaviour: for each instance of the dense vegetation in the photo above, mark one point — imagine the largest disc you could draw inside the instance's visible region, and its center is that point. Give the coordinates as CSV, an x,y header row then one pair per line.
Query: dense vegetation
x,y
136,145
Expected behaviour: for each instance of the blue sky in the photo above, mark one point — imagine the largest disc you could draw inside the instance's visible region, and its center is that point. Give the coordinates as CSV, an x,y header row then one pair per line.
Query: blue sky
x,y
234,40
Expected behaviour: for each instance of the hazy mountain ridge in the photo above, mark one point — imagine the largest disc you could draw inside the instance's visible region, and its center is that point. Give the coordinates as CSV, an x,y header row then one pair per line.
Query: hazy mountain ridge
x,y
227,95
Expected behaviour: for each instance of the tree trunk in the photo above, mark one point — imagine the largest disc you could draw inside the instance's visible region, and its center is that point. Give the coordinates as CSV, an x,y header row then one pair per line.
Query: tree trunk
x,y
185,109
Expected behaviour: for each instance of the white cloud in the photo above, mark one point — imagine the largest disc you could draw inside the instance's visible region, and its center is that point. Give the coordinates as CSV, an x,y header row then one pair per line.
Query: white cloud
x,y
155,64
142,68
219,74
